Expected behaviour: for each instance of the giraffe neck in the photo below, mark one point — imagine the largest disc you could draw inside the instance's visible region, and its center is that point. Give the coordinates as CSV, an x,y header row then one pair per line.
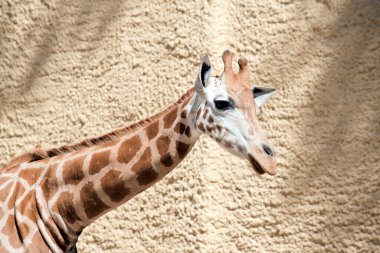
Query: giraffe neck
x,y
84,185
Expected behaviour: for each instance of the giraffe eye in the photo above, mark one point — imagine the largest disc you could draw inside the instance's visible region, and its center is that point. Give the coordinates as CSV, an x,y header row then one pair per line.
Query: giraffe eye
x,y
223,105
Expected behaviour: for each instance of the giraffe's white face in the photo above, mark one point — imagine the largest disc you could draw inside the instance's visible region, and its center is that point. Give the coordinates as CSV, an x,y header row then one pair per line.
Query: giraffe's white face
x,y
228,114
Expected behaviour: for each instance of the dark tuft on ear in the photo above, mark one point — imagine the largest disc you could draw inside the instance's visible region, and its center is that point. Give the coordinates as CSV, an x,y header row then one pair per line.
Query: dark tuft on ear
x,y
204,70
257,92
260,91
262,94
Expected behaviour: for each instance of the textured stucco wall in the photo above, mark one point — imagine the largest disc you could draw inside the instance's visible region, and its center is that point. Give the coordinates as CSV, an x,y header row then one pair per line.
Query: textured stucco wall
x,y
73,69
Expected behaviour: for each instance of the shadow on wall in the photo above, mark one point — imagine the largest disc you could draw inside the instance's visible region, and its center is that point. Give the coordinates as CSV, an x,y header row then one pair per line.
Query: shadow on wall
x,y
340,127
49,44
344,100
346,89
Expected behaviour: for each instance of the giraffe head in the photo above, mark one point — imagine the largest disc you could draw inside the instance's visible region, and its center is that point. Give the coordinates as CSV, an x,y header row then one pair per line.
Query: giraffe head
x,y
228,112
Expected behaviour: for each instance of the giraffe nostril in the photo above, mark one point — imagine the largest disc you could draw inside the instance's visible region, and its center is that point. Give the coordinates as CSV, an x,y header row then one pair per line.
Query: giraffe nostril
x,y
268,150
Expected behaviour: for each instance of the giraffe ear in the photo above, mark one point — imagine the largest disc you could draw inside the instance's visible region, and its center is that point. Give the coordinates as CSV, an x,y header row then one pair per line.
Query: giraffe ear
x,y
203,74
262,94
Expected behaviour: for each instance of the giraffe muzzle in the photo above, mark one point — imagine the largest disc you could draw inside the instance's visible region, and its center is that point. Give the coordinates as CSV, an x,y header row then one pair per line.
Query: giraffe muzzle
x,y
256,166
263,159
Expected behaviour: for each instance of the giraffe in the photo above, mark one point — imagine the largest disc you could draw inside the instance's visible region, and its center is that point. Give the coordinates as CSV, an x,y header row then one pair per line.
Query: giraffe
x,y
48,196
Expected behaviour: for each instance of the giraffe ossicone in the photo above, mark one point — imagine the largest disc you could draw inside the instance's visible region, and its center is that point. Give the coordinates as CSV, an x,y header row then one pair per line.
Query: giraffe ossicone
x,y
48,196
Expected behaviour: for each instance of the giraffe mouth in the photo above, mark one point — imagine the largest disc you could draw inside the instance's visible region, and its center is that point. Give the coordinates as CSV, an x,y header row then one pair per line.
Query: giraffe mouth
x,y
256,165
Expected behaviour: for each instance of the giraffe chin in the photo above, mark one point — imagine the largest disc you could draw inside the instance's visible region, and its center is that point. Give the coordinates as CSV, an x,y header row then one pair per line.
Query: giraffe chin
x,y
265,166
256,166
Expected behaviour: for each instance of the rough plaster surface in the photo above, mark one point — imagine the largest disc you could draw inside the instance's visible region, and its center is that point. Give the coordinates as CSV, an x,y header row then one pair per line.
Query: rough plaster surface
x,y
73,69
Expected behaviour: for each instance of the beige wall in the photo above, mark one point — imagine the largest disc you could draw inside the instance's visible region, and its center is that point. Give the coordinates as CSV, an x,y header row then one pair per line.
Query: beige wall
x,y
73,69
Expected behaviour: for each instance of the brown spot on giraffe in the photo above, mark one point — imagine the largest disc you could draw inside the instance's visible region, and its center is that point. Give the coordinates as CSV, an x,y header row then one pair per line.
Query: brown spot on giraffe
x,y
99,161
205,113
163,144
210,119
182,149
10,229
177,128
228,144
73,170
188,132
113,185
128,149
201,127
170,117
147,176
23,228
184,114
92,204
31,175
65,206
5,191
12,199
45,188
28,206
38,244
167,160
198,114
49,186
20,189
209,128
144,162
180,128
152,130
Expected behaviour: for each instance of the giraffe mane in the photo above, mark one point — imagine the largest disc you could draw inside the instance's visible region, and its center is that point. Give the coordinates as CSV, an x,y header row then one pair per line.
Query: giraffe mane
x,y
40,154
